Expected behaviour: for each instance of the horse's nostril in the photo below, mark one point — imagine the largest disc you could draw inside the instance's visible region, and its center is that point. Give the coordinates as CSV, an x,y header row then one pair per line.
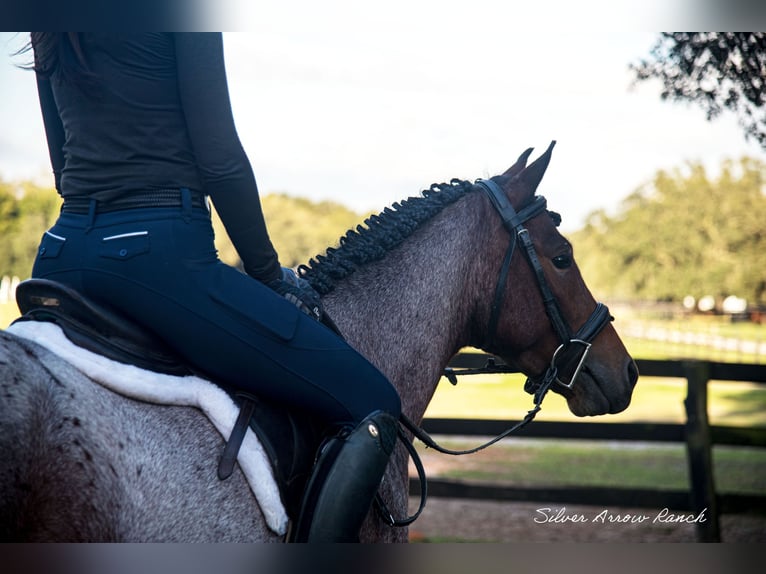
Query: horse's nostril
x,y
632,373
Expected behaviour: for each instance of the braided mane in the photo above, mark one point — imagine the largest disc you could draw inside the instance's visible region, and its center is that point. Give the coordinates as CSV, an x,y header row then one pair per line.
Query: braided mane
x,y
380,234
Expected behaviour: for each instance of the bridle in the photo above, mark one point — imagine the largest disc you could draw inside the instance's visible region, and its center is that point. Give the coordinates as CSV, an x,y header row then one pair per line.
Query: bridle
x,y
573,347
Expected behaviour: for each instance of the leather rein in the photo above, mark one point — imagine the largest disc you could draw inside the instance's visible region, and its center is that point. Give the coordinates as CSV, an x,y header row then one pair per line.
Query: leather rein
x,y
572,348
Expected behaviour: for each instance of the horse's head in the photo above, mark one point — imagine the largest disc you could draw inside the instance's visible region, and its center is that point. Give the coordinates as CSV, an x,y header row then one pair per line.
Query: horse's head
x,y
542,318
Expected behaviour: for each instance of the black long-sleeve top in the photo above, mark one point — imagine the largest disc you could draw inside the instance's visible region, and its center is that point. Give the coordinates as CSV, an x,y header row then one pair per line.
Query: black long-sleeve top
x,y
156,114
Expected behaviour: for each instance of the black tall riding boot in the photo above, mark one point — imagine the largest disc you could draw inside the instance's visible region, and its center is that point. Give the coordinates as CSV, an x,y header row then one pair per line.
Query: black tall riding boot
x,y
345,479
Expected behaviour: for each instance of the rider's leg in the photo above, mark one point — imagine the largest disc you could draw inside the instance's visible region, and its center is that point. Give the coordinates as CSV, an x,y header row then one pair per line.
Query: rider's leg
x,y
345,479
164,274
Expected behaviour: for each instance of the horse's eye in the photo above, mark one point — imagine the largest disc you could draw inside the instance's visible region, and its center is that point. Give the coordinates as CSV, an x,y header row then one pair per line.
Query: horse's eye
x,y
562,261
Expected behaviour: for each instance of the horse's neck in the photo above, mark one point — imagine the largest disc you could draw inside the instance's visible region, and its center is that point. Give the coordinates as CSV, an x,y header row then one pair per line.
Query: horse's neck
x,y
411,312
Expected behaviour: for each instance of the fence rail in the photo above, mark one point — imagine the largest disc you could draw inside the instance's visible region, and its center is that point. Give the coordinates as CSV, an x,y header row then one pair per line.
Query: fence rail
x,y
696,433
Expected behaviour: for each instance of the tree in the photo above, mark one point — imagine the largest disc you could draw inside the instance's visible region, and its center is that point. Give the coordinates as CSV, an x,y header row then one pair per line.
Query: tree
x,y
683,234
26,211
717,70
299,228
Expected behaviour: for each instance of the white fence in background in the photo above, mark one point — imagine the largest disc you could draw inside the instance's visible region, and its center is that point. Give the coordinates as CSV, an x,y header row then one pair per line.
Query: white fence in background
x,y
8,289
699,339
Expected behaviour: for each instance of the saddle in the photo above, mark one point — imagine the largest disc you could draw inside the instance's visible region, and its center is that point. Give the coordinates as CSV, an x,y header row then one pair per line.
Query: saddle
x,y
291,440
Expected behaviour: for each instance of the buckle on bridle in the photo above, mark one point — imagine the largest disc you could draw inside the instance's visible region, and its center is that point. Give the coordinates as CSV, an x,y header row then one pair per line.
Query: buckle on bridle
x,y
535,385
583,355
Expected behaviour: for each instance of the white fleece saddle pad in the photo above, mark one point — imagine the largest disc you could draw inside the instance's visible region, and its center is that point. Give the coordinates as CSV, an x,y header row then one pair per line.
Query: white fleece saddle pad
x,y
189,391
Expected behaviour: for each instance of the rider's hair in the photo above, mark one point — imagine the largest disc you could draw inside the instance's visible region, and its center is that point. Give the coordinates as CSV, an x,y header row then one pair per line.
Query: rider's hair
x,y
61,53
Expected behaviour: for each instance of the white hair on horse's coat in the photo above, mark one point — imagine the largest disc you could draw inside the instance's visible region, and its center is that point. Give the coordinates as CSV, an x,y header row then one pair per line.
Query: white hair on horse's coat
x,y
190,391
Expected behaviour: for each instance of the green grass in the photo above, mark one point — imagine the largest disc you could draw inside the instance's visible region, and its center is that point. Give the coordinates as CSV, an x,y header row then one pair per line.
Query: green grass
x,y
526,462
654,400
8,312
554,462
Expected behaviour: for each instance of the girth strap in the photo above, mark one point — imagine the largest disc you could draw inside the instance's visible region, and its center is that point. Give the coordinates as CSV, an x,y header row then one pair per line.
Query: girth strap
x,y
234,442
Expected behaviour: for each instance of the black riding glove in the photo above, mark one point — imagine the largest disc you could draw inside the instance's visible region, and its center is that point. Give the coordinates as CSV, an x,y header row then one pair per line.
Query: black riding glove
x,y
299,292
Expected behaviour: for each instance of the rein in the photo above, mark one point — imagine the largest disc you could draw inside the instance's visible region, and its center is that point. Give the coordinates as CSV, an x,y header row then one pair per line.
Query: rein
x,y
426,439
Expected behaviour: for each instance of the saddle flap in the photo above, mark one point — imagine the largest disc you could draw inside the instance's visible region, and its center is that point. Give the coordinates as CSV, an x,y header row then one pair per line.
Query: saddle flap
x,y
96,327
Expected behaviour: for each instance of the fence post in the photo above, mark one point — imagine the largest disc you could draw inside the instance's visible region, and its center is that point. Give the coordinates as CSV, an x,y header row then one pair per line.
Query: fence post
x,y
699,451
5,289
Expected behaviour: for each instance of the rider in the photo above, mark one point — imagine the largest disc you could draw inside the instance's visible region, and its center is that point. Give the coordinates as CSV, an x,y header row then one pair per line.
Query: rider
x,y
140,133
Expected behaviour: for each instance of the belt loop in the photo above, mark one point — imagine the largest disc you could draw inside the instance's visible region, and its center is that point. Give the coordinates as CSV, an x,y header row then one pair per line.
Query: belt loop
x,y
92,204
186,204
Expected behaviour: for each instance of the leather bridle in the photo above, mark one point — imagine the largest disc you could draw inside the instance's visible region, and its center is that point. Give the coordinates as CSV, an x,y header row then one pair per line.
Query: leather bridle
x,y
573,348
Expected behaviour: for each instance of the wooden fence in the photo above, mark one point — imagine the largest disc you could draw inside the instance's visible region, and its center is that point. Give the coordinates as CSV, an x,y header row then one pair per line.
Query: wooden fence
x,y
696,433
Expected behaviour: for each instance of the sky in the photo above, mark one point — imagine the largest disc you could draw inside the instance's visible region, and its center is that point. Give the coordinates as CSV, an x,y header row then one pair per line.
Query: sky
x,y
367,106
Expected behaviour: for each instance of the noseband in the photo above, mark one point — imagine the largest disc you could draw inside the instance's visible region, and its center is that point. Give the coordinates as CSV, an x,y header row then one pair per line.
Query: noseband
x,y
572,348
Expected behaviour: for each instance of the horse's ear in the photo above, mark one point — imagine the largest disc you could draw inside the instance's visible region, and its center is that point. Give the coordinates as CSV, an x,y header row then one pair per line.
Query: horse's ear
x,y
532,175
520,164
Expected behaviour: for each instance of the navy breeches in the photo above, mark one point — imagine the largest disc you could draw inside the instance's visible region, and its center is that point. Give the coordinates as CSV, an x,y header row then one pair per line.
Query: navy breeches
x,y
159,267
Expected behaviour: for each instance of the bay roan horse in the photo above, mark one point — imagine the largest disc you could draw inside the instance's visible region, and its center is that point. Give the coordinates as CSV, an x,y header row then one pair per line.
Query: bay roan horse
x,y
420,282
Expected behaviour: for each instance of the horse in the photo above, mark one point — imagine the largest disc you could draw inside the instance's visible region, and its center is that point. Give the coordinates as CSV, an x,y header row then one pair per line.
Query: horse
x,y
463,265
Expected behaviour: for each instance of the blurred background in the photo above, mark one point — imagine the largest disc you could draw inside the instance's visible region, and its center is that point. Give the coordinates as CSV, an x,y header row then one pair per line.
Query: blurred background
x,y
659,173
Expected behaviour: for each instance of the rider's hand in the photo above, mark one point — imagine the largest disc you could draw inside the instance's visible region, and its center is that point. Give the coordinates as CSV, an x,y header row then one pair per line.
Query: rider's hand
x,y
299,292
